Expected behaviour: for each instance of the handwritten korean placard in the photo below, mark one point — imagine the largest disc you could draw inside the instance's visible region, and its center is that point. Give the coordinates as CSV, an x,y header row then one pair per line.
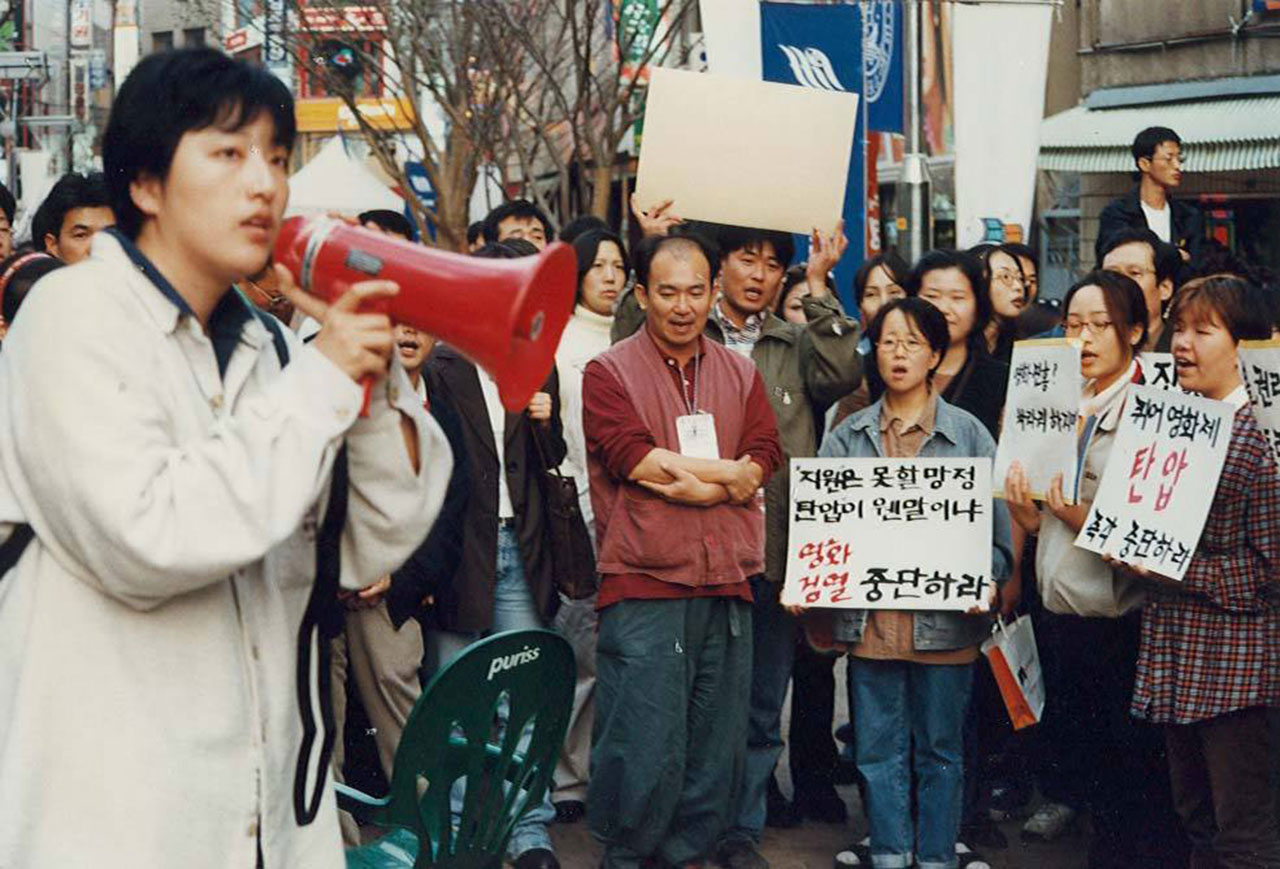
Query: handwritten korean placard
x,y
1260,370
1041,408
1160,479
858,532
1158,370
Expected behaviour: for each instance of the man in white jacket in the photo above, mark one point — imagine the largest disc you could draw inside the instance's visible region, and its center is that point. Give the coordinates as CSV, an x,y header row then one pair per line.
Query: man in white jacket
x,y
174,476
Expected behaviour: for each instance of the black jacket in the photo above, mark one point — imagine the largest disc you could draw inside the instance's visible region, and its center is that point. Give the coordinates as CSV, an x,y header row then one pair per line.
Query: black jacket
x,y
436,560
1186,223
464,596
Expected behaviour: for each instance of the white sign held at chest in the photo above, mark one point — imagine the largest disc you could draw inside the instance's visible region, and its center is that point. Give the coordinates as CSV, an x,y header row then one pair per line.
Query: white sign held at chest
x,y
1041,408
1160,480
856,527
1260,370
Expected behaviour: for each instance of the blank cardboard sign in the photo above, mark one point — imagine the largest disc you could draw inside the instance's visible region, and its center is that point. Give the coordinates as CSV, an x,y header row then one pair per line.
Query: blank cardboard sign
x,y
750,153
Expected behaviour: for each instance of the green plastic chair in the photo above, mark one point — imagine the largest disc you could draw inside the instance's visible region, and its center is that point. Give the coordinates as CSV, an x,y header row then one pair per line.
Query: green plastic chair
x,y
454,733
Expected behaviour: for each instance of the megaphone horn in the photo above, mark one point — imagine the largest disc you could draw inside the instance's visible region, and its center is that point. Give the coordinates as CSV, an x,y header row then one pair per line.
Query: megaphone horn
x,y
504,315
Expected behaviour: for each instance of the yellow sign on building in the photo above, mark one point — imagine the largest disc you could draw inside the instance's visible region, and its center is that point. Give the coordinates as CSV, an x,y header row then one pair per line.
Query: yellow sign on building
x,y
332,114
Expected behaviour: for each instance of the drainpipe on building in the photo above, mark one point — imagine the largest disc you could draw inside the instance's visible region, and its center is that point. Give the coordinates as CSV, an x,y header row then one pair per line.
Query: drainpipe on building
x,y
915,171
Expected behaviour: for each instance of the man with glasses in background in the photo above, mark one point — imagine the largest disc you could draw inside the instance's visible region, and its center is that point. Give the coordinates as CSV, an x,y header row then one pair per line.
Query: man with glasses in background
x,y
1157,156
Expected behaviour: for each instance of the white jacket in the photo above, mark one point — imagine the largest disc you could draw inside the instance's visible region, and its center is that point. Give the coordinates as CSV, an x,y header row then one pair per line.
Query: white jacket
x,y
148,712
585,337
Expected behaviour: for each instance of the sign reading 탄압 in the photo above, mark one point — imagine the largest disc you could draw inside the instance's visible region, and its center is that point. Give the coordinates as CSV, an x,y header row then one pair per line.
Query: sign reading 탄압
x,y
856,527
1160,480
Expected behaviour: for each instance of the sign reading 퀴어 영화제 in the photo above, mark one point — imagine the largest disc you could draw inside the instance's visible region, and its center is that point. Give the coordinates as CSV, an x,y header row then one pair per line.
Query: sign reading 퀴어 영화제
x,y
876,533
1160,480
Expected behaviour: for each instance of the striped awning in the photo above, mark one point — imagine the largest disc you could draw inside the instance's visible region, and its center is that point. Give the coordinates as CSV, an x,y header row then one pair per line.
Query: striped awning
x,y
1220,135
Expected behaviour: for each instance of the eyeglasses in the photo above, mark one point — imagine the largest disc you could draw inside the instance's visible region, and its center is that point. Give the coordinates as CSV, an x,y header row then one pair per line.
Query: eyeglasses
x,y
1175,159
1007,276
1135,273
1095,327
890,345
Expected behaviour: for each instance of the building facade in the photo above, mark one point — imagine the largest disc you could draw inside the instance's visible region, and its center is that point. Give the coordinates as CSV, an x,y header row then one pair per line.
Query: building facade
x,y
1208,69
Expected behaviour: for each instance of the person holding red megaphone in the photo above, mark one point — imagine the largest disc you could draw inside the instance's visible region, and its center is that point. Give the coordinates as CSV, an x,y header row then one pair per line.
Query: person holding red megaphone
x,y
172,515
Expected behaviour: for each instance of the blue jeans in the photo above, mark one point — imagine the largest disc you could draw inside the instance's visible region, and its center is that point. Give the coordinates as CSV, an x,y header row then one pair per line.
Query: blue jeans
x,y
773,637
900,708
513,609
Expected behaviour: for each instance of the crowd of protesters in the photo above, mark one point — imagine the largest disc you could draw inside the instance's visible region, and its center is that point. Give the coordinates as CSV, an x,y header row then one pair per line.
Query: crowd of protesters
x,y
146,633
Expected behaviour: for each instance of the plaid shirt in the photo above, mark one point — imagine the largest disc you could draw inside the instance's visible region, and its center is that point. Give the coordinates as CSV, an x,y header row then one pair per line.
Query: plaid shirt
x,y
1212,645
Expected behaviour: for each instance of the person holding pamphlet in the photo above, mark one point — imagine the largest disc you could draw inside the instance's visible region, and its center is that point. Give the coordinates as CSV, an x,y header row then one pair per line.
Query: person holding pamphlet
x,y
912,671
1210,652
1091,752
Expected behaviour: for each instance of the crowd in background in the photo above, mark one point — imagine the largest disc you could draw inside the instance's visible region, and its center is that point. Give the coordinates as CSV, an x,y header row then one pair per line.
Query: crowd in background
x,y
697,362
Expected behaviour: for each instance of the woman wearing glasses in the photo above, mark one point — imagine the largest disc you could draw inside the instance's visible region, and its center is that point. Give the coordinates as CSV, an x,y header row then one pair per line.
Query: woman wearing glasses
x,y
1093,754
912,672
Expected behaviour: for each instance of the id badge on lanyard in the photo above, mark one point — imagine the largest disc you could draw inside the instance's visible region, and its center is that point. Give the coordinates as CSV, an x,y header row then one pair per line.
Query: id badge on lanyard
x,y
697,433
696,430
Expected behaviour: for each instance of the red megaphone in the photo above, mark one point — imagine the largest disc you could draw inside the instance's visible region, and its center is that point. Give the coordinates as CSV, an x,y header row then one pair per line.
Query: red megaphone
x,y
504,315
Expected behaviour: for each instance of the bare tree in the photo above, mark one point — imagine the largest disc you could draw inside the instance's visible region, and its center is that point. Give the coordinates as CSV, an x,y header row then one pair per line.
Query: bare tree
x,y
546,89
575,73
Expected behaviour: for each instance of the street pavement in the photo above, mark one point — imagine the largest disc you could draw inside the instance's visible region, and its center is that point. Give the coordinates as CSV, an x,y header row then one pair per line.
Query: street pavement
x,y
814,845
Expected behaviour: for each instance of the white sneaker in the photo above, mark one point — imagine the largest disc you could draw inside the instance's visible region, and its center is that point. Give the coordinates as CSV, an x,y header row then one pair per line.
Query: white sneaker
x,y
970,859
1049,823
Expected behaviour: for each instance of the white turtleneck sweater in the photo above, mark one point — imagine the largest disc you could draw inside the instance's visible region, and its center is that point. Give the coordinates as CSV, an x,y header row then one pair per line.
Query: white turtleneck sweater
x,y
585,337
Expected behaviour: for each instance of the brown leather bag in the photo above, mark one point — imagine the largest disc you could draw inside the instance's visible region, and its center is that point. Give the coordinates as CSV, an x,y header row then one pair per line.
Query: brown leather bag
x,y
573,560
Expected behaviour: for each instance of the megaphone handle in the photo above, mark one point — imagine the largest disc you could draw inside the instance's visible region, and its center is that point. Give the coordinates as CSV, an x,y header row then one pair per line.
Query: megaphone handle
x,y
367,383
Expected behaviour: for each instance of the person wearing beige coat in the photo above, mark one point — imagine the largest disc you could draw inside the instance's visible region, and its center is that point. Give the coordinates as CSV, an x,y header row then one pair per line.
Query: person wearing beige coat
x,y
175,476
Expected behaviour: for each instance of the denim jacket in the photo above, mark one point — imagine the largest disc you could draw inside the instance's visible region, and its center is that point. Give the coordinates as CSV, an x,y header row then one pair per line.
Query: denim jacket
x,y
956,434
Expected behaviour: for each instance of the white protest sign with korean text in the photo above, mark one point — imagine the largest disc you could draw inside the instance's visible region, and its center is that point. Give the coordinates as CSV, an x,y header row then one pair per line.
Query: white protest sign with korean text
x,y
1041,408
1160,479
910,534
1158,370
1260,370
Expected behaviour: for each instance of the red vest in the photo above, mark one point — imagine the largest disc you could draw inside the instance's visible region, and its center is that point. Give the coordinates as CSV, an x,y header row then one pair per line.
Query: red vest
x,y
639,532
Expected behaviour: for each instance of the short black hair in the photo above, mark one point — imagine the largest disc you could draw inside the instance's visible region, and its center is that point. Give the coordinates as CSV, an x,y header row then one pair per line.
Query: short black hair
x,y
7,203
1146,142
71,191
732,238
895,265
927,319
1240,305
579,225
473,231
1164,257
971,268
650,246
520,246
172,93
18,273
495,250
391,221
521,208
1121,296
1023,251
588,243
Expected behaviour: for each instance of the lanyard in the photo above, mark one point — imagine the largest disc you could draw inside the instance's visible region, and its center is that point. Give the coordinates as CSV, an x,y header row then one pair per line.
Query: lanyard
x,y
692,407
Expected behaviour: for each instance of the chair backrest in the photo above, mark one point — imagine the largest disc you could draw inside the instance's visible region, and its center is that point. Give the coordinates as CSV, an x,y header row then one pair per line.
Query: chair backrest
x,y
454,732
